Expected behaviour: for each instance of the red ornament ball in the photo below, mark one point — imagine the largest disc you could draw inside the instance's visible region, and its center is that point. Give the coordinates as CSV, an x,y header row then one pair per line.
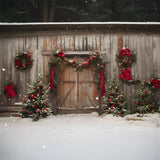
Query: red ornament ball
x,y
38,110
38,81
28,96
46,109
24,109
137,103
37,87
144,92
86,63
25,99
39,92
30,112
147,101
90,58
110,100
32,95
118,103
111,93
119,113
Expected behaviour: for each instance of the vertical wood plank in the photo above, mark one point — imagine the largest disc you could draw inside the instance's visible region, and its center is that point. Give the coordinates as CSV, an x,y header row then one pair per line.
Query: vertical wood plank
x,y
32,46
44,43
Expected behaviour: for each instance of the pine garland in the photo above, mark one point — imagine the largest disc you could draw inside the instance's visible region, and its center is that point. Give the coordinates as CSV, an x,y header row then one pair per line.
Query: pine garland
x,y
94,61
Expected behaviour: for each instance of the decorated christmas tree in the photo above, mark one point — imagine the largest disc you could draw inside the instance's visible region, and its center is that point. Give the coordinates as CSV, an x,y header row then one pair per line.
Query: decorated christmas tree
x,y
144,99
114,101
35,103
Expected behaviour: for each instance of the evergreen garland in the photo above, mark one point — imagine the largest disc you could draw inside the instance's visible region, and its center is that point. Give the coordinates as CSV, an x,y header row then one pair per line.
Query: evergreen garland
x,y
94,61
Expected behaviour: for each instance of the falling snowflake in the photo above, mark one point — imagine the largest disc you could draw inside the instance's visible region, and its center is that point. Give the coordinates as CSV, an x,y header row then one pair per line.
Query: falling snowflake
x,y
44,147
3,69
5,124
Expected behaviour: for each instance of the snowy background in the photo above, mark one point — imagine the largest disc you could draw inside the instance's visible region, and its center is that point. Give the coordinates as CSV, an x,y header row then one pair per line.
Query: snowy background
x,y
81,137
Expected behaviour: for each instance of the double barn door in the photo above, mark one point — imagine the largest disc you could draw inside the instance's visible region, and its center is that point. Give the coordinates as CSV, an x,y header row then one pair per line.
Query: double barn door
x,y
77,92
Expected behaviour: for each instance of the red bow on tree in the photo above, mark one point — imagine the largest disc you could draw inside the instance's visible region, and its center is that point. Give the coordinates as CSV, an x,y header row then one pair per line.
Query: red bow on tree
x,y
125,74
10,90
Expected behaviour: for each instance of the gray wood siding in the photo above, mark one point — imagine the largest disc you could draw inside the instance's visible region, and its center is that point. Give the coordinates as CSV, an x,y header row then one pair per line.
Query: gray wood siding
x,y
146,45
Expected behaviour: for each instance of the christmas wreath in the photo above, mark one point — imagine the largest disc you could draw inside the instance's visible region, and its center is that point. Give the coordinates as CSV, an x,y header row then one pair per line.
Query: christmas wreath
x,y
94,61
23,61
10,90
125,58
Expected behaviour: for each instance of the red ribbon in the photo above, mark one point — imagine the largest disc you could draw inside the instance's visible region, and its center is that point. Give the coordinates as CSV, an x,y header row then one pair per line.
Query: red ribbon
x,y
125,74
10,90
51,79
102,83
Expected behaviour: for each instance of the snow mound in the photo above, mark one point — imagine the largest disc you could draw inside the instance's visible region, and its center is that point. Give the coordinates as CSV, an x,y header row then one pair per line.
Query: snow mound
x,y
81,136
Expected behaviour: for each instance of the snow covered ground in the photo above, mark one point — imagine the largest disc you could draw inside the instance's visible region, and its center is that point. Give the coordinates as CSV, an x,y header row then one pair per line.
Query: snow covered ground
x,y
81,137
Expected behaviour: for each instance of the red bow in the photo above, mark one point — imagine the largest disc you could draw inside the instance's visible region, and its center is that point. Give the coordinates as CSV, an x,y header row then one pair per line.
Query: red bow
x,y
102,83
156,83
125,74
51,79
125,51
10,90
18,63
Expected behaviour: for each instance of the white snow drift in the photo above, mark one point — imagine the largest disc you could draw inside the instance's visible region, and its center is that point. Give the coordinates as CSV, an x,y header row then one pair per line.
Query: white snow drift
x,y
81,137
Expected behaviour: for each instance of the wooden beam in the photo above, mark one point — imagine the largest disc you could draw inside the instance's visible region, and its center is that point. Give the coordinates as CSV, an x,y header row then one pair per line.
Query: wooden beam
x,y
49,52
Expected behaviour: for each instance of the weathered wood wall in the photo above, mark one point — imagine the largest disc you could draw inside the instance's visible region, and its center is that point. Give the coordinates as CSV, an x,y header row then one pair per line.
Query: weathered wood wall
x,y
146,43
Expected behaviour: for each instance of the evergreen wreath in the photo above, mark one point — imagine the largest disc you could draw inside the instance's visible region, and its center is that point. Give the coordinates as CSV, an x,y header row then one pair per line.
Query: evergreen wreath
x,y
23,61
94,61
125,58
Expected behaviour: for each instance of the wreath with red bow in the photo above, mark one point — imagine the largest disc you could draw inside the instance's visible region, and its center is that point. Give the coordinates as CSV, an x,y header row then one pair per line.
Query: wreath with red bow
x,y
94,61
125,58
10,90
23,61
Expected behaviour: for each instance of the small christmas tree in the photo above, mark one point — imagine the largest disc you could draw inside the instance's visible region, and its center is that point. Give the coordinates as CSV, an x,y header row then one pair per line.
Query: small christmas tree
x,y
35,103
144,99
114,101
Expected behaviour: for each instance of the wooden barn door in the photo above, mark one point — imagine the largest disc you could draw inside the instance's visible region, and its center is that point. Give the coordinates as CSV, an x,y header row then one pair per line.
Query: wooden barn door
x,y
77,91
